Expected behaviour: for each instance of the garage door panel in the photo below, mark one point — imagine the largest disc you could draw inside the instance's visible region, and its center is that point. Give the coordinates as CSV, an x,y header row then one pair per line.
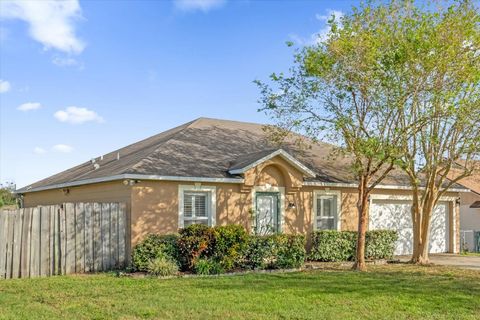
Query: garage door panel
x,y
396,215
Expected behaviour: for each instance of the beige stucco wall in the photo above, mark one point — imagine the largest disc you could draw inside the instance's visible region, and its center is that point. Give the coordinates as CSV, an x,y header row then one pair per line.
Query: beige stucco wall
x,y
469,217
153,205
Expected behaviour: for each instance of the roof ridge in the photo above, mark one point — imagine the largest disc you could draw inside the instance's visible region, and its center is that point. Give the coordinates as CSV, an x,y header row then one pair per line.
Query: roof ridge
x,y
185,127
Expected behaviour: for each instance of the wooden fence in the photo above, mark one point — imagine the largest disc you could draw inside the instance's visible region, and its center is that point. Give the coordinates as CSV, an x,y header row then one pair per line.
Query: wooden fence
x,y
62,239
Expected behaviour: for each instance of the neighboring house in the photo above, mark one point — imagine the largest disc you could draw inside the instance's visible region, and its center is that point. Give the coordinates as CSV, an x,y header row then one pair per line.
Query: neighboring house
x,y
470,211
219,172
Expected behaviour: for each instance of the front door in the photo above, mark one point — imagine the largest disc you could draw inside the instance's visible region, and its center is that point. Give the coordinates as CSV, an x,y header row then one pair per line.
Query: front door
x,y
267,207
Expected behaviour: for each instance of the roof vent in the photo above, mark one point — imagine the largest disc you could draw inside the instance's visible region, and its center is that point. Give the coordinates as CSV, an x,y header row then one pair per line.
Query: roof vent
x,y
118,155
96,166
93,160
101,157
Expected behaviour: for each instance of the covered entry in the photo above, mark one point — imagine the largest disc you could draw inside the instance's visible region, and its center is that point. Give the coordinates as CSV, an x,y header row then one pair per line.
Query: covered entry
x,y
396,215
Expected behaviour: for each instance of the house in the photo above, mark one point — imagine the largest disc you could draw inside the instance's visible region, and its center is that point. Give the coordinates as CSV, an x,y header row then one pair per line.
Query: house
x,y
219,172
470,211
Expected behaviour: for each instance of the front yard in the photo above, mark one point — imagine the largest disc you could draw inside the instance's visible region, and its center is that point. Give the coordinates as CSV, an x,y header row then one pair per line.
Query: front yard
x,y
384,292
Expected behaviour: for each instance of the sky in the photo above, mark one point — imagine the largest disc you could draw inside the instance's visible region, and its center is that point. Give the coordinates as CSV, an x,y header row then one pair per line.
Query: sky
x,y
79,79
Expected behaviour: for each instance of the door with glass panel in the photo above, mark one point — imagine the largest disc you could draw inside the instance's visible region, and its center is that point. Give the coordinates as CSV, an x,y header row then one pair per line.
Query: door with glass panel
x,y
195,208
326,215
267,210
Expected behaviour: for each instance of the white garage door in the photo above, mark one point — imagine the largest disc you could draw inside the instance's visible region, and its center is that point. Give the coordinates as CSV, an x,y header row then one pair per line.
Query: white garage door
x,y
396,215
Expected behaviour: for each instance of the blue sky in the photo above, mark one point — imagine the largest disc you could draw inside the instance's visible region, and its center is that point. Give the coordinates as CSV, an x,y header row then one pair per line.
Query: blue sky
x,y
80,79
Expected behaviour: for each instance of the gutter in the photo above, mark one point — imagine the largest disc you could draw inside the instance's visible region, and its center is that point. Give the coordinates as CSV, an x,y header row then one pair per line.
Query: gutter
x,y
380,186
130,176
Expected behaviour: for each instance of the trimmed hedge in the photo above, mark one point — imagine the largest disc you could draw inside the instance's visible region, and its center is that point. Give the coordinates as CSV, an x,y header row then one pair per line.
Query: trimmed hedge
x,y
275,252
152,247
332,245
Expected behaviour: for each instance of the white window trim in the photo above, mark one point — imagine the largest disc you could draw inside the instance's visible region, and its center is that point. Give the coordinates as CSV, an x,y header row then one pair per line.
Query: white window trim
x,y
211,201
338,218
267,188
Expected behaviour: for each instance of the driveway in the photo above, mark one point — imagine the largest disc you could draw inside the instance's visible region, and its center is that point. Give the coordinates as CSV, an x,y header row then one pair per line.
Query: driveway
x,y
455,260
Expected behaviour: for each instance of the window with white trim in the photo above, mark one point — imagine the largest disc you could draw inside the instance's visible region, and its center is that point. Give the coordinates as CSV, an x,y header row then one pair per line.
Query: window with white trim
x,y
196,205
326,212
195,208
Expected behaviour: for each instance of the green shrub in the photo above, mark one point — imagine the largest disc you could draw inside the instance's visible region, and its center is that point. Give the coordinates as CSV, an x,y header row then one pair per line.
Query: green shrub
x,y
275,251
195,242
208,266
332,245
229,245
291,251
380,244
152,247
162,266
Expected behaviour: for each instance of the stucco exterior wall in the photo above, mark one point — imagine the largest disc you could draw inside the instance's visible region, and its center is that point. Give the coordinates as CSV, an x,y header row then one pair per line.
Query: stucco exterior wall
x,y
154,205
469,217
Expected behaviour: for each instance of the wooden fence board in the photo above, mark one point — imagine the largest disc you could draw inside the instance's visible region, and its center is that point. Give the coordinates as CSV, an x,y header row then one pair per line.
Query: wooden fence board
x,y
44,241
106,236
51,240
17,243
88,237
114,235
70,245
3,243
97,237
26,248
62,239
79,238
122,225
35,243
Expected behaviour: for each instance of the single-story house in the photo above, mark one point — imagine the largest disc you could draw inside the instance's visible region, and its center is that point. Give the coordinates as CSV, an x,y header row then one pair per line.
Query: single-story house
x,y
220,172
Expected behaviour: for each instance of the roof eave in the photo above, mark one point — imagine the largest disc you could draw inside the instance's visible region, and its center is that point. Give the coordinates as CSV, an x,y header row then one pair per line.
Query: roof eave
x,y
130,176
285,155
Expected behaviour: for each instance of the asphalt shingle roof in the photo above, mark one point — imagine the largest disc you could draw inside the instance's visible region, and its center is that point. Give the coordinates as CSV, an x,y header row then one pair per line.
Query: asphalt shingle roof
x,y
208,148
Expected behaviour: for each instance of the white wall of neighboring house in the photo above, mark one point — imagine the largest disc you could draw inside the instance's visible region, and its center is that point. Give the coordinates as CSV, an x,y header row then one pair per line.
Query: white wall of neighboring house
x,y
469,219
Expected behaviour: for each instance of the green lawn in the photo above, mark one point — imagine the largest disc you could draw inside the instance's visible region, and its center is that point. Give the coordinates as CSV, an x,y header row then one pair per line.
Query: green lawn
x,y
385,292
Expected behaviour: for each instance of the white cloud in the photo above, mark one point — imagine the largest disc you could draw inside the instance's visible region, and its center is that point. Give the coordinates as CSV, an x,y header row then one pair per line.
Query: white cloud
x,y
322,34
51,22
29,106
76,115
4,86
64,148
39,150
202,5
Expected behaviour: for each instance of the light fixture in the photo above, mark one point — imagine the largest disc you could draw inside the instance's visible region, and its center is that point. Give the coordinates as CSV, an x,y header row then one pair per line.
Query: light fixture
x,y
66,191
291,205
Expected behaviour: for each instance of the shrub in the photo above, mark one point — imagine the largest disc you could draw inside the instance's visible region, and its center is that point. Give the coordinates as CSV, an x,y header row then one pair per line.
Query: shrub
x,y
380,244
208,266
152,247
275,251
195,242
332,245
291,251
229,245
162,266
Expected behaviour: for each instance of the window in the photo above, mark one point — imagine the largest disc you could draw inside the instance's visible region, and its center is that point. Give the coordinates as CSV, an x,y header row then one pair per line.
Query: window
x,y
326,211
195,208
196,205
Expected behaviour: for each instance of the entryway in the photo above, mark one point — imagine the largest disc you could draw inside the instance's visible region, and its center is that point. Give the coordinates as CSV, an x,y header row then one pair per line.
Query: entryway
x,y
267,212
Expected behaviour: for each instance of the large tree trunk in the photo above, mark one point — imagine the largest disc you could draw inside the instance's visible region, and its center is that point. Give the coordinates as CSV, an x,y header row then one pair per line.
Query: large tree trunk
x,y
421,217
362,207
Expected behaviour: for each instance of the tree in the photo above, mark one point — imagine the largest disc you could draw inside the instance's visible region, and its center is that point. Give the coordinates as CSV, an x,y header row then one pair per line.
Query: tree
x,y
345,89
443,77
7,197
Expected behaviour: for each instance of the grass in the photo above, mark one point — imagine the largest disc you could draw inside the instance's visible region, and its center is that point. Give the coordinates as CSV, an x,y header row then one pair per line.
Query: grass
x,y
474,254
384,292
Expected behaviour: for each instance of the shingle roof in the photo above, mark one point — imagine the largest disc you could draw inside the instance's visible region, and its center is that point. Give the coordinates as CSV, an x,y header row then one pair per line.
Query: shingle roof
x,y
207,148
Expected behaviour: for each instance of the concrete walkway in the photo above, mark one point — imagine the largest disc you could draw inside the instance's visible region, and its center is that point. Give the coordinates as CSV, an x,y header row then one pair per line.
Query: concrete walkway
x,y
454,260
